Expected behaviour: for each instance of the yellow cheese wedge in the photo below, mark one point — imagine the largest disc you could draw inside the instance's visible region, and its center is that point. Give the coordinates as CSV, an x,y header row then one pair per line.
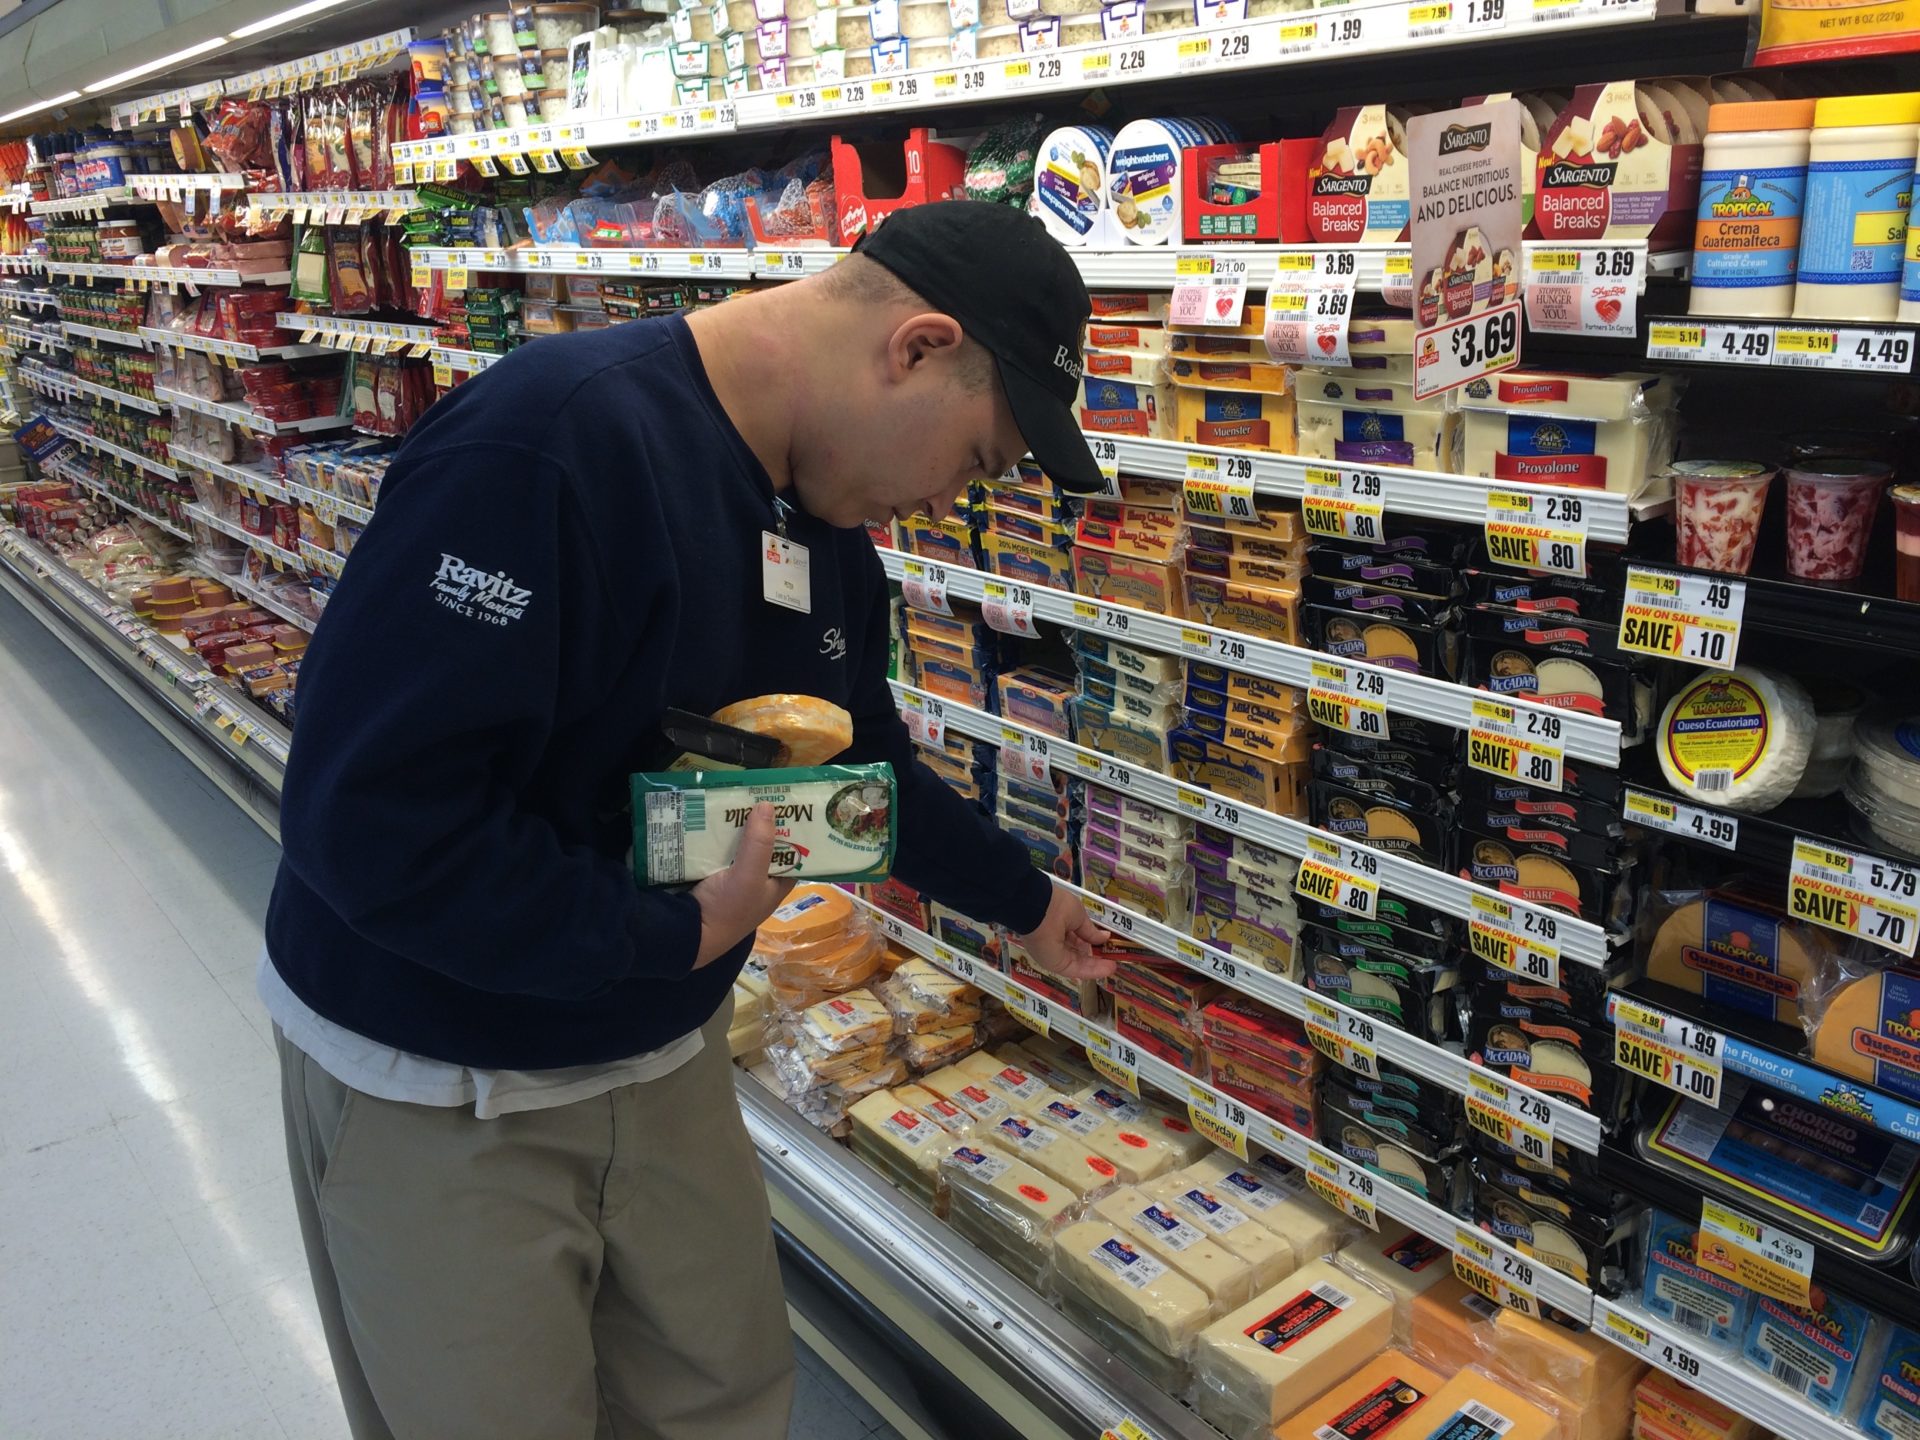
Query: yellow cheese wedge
x,y
812,913
1577,1366
811,731
1144,1293
1775,975
1262,1362
1474,1398
1181,1244
1404,1264
1869,1021
1386,1396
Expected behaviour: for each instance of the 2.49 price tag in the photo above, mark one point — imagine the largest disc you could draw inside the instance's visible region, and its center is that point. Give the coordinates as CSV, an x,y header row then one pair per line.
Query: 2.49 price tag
x,y
1347,1188
1342,1036
1352,698
1502,1276
1520,1121
1344,876
1517,742
1520,942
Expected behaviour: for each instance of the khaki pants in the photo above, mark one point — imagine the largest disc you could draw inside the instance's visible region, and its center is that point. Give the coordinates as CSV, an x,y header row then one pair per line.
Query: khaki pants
x,y
598,1271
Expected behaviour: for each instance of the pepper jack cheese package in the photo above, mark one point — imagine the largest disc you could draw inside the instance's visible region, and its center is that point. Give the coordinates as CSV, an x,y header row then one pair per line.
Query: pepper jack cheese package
x,y
1386,1396
834,822
1260,1363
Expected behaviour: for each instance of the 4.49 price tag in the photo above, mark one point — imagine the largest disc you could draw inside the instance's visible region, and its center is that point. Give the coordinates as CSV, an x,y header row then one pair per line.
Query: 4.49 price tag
x,y
1669,1050
1695,618
1343,504
1861,895
1517,742
1547,532
1352,698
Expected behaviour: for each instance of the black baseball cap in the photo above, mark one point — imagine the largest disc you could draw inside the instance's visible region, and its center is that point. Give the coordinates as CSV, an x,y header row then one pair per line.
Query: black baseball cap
x,y
1014,288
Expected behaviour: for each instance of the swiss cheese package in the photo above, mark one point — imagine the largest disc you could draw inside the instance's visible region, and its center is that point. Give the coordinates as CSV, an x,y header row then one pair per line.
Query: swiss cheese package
x,y
1132,1300
1166,1233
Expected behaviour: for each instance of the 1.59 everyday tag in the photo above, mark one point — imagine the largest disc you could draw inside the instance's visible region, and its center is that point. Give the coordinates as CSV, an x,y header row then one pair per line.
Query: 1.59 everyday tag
x,y
786,573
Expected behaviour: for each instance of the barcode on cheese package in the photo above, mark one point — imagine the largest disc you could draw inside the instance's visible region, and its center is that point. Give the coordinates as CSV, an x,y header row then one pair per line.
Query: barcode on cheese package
x,y
832,822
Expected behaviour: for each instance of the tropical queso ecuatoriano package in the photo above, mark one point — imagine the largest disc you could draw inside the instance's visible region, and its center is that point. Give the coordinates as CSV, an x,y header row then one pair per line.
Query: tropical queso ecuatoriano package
x,y
833,822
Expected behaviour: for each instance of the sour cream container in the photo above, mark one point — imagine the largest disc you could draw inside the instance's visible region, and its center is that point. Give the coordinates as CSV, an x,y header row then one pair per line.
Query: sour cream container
x,y
1853,235
1753,186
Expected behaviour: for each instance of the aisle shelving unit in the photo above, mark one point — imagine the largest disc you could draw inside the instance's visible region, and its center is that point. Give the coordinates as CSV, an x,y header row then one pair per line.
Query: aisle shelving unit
x,y
74,475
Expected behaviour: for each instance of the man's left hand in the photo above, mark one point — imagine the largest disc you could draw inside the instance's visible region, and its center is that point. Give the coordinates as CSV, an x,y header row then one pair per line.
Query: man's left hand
x,y
1066,938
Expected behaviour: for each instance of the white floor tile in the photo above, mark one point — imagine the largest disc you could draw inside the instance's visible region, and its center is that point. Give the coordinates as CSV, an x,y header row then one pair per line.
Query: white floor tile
x,y
244,1242
316,1415
210,1147
278,1331
68,1191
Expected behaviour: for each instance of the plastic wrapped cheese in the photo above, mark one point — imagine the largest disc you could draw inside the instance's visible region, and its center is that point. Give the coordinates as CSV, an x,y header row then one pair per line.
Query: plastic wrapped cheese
x,y
812,731
1261,1362
1738,953
846,1022
832,822
1576,1366
1267,1255
1165,1233
1006,1207
1737,738
1475,1403
1403,1263
1130,1298
1134,1155
1446,1323
1386,1396
1679,1412
886,1126
1052,1152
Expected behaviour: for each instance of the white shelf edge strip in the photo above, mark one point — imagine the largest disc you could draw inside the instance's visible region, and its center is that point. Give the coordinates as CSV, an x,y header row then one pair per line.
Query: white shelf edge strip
x,y
1578,940
132,457
1588,737
1553,1287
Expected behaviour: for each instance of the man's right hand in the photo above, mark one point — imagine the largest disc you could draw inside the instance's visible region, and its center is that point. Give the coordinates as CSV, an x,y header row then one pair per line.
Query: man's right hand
x,y
734,902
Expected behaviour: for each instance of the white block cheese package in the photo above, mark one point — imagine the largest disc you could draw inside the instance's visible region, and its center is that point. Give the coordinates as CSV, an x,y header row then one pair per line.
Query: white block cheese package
x,y
896,1138
1268,1255
1167,1234
1134,1155
1259,1364
832,822
1054,1153
1737,738
1595,432
1006,1207
1128,1298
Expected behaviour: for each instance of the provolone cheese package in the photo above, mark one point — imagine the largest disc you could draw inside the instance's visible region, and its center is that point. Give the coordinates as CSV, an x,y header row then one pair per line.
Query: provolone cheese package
x,y
833,822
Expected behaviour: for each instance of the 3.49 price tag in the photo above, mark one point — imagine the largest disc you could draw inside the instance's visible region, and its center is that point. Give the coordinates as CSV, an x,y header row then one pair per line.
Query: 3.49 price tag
x,y
1861,895
925,586
1668,1050
1343,504
1023,755
1528,532
1695,618
1517,742
926,718
1352,698
1008,608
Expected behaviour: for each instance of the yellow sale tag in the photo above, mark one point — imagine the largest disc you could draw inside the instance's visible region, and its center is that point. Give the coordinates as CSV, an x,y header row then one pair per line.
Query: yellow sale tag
x,y
1763,1258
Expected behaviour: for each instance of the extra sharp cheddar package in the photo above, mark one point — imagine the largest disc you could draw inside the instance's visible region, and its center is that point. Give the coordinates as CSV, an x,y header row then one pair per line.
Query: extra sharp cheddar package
x,y
833,822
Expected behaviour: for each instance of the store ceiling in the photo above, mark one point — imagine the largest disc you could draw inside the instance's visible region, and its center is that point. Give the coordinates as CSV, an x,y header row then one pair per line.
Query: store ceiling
x,y
52,48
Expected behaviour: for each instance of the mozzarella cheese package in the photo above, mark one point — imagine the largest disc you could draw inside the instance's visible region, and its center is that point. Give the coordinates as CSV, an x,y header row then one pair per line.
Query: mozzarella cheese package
x,y
832,822
1387,1396
1262,1362
1167,1234
1267,1256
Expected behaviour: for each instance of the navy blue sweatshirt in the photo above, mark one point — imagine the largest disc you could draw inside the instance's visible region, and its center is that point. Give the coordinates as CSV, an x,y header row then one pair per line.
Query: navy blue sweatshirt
x,y
565,547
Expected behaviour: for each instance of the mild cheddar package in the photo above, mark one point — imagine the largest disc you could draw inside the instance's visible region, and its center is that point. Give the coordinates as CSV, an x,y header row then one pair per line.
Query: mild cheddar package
x,y
833,822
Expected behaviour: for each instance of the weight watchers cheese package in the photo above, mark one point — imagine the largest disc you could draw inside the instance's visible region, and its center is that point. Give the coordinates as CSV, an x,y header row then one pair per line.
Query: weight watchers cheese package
x,y
833,822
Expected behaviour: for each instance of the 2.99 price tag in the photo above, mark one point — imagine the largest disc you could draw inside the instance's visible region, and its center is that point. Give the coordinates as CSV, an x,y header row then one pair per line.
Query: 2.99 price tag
x,y
1695,618
1220,487
1528,532
1343,504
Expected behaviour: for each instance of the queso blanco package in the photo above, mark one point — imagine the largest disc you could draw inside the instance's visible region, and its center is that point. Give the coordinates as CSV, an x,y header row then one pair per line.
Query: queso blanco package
x,y
833,822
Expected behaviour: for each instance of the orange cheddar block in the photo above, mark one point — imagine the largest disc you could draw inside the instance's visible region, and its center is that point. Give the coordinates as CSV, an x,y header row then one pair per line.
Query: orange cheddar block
x,y
1386,1396
1474,1403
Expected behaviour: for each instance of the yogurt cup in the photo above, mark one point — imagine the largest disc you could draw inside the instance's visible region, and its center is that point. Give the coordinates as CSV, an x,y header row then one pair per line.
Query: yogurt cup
x,y
1906,541
1718,506
1830,509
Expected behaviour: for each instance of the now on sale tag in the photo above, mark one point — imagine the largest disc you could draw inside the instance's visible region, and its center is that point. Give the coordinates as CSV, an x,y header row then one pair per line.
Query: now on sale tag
x,y
1343,504
1584,291
1863,895
1669,1050
1208,290
1695,618
1537,532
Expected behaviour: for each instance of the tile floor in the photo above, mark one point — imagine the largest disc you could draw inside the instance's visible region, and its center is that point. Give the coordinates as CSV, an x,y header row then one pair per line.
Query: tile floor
x,y
152,1282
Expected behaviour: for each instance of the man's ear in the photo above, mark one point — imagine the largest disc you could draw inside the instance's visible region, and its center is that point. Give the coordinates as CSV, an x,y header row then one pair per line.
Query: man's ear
x,y
921,338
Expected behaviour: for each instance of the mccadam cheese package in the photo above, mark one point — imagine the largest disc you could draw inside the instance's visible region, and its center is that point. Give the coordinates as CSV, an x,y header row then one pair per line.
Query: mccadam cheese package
x,y
833,822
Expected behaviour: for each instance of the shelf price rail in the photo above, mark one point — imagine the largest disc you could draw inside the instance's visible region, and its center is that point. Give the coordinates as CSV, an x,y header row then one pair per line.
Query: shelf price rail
x,y
1577,940
1586,737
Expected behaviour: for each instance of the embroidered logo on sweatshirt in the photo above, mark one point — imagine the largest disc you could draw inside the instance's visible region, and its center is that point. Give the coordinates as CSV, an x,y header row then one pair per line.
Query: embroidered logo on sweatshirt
x,y
485,595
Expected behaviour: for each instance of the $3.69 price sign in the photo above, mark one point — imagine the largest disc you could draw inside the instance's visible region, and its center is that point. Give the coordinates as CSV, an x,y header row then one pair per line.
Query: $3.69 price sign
x,y
1683,617
1668,1050
1343,504
1352,698
1537,532
1517,742
1456,351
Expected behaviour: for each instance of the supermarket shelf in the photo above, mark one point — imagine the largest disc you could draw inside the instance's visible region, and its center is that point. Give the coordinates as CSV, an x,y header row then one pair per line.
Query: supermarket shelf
x,y
107,447
1578,940
74,475
228,739
165,274
67,387
1763,842
129,113
1437,496
23,335
467,362
93,203
262,597
232,349
179,187
1153,267
1722,1377
285,559
1554,1288
339,332
717,264
351,206
103,334
439,158
320,560
1766,1052
21,264
1832,347
955,1300
246,419
30,299
327,504
240,475
1586,737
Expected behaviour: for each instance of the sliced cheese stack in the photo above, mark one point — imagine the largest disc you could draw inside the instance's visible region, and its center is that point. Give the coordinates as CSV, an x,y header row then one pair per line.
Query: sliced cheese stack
x,y
1386,1396
1132,1301
1263,1361
816,945
1006,1207
752,1007
1666,1409
1268,1257
1165,1234
1591,1379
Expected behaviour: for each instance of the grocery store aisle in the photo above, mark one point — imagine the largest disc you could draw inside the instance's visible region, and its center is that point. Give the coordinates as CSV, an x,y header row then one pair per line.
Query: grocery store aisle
x,y
152,1282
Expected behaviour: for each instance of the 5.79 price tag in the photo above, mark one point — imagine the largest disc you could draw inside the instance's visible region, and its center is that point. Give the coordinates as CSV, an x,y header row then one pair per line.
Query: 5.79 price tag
x,y
1863,895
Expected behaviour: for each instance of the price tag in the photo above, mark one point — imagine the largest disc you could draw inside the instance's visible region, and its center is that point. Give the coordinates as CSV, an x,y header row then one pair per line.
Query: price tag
x,y
1717,342
926,718
1661,1351
1106,454
962,965
1344,1037
1220,486
1345,1187
456,277
1350,698
1195,53
1344,876
1030,1010
1521,942
1457,351
1023,755
1690,822
1764,1258
1343,504
1309,306
1208,290
1502,1276
786,262
925,586
1537,532
1008,608
1115,1059
1863,895
1220,1119
1584,292
1516,1118
1845,348
1695,618
1684,1057
1517,743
